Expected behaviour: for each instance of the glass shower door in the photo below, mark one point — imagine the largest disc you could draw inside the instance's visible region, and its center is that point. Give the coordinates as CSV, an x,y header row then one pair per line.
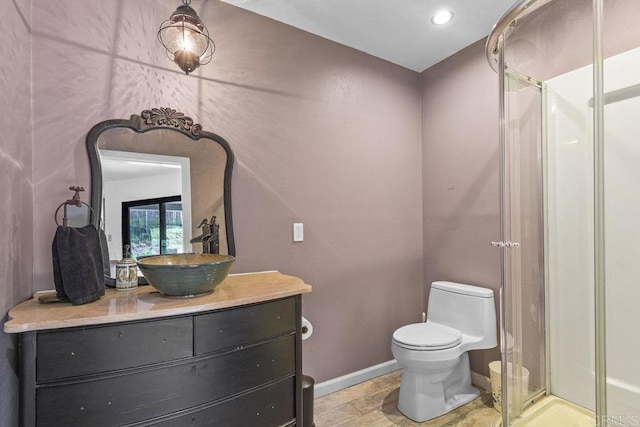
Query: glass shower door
x,y
580,182
524,292
621,86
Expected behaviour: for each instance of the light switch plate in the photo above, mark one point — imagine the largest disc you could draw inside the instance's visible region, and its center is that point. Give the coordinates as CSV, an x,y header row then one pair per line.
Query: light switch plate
x,y
298,232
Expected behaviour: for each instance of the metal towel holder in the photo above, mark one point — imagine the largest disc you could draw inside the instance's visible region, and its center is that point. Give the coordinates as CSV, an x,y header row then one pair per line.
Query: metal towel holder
x,y
74,201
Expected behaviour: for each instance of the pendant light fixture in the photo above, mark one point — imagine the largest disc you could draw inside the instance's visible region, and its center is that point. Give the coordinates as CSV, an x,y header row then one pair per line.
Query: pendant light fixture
x,y
186,38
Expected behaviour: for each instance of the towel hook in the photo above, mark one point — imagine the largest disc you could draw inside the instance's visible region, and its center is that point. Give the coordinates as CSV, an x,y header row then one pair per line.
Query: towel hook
x,y
74,201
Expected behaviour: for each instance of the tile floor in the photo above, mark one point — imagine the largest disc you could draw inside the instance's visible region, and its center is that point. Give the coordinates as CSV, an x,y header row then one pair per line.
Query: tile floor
x,y
373,404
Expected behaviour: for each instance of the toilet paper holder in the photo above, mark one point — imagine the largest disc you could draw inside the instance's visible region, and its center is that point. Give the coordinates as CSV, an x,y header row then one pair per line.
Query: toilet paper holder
x,y
306,328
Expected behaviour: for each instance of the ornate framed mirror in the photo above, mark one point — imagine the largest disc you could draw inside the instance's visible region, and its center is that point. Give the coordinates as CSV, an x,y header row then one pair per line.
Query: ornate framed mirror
x,y
155,178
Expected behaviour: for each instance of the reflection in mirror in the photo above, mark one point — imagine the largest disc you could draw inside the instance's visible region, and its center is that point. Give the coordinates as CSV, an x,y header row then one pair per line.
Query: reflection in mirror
x,y
136,189
154,179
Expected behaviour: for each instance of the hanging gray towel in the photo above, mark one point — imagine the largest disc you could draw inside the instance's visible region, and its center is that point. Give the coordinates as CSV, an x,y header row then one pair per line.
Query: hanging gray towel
x,y
77,264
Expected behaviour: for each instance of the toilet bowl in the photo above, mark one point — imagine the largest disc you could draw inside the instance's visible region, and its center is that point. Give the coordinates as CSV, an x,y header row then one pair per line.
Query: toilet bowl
x,y
433,355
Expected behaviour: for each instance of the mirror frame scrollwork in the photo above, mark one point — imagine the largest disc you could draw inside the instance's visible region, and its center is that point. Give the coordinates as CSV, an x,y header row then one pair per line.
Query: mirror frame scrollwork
x,y
155,119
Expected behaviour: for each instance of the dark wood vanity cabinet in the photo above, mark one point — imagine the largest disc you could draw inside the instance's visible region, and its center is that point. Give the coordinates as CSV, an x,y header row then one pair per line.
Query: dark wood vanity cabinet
x,y
232,367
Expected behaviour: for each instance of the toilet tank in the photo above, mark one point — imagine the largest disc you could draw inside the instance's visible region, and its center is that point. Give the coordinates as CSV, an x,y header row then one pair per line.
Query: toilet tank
x,y
469,309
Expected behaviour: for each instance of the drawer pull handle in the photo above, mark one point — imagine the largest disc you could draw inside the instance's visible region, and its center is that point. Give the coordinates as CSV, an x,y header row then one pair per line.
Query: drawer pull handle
x,y
164,341
257,365
120,334
109,403
72,353
82,408
193,368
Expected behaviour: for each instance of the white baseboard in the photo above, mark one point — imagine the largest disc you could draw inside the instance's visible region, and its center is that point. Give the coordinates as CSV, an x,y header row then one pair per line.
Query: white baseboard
x,y
345,381
481,381
354,378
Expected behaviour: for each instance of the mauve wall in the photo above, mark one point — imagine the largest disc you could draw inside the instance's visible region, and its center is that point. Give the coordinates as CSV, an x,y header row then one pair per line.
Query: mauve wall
x,y
16,191
460,191
323,135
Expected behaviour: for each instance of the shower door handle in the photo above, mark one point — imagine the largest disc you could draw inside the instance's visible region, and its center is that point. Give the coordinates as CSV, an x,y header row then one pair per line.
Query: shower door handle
x,y
505,244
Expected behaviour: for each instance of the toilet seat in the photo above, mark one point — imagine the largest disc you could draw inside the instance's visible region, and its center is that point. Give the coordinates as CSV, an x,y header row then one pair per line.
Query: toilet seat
x,y
427,337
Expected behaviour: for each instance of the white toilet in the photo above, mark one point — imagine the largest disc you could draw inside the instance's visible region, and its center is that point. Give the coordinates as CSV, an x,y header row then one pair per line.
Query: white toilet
x,y
433,355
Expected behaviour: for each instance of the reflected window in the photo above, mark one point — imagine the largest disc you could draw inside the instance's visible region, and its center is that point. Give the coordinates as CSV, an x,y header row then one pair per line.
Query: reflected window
x,y
153,226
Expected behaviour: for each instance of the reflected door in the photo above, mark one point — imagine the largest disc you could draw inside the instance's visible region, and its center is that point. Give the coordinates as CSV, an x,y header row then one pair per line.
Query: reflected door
x,y
153,226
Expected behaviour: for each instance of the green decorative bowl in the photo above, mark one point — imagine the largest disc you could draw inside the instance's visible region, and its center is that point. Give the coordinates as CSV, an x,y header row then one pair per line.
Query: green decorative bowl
x,y
185,275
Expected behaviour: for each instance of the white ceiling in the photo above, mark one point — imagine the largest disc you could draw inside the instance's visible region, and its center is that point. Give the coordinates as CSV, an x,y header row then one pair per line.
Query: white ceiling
x,y
399,31
120,165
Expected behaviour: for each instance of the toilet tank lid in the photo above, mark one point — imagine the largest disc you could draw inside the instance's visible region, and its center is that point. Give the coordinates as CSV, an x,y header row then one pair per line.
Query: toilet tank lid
x,y
459,288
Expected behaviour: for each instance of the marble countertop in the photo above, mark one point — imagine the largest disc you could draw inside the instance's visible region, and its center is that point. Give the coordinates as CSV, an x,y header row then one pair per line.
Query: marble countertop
x,y
145,302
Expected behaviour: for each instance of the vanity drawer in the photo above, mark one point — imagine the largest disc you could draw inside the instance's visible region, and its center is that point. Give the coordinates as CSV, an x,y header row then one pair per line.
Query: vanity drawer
x,y
270,406
253,323
149,393
91,350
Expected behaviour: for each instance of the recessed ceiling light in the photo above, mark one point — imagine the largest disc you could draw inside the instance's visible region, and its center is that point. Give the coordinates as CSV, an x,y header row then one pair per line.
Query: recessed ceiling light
x,y
442,17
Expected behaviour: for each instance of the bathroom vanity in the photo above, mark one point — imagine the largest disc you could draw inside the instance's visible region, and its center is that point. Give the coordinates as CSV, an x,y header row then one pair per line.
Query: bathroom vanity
x,y
231,358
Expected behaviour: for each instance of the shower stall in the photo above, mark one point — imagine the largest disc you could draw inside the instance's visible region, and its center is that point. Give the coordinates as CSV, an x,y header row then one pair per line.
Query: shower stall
x,y
569,73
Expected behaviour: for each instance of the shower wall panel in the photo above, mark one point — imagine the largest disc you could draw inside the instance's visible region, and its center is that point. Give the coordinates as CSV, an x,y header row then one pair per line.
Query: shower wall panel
x,y
570,225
